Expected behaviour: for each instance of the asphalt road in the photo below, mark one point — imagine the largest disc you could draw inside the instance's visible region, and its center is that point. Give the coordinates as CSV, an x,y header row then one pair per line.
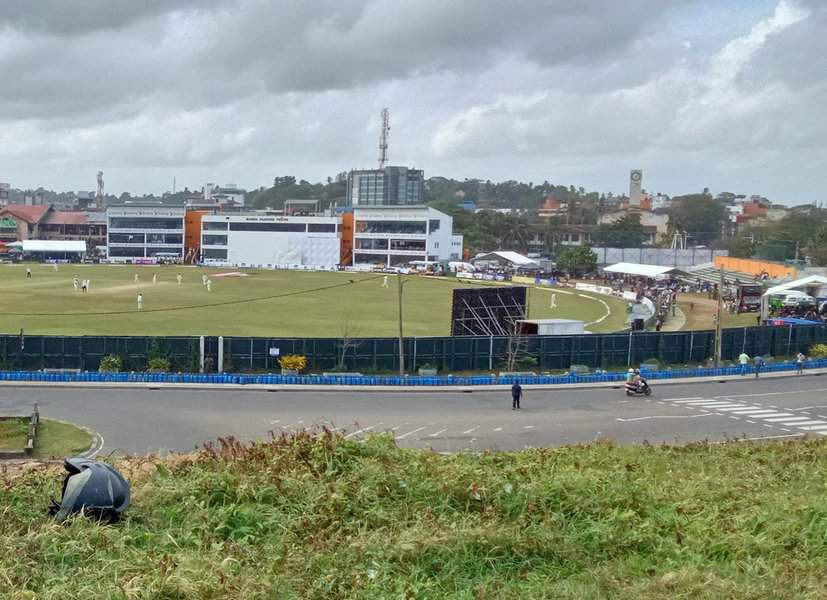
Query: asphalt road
x,y
143,420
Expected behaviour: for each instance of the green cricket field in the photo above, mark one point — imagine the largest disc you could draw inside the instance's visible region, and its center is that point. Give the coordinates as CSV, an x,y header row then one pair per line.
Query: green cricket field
x,y
258,303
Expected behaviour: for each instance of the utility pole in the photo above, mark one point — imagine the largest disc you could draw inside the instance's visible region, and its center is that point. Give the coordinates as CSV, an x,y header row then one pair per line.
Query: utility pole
x,y
718,320
400,283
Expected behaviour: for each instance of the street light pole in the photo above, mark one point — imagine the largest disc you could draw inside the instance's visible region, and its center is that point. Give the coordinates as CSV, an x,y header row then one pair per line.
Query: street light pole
x,y
400,283
718,320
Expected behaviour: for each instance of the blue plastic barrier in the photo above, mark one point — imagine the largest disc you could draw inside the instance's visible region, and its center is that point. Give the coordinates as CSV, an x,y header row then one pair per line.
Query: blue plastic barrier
x,y
392,380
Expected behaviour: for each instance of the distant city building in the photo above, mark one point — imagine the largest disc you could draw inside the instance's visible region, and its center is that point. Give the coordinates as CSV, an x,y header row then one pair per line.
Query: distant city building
x,y
391,237
391,186
142,230
552,208
4,193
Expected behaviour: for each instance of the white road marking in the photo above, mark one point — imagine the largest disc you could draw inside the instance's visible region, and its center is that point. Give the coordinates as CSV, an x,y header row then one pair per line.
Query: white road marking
x,y
528,426
498,429
404,435
276,422
472,430
772,414
773,393
752,410
683,399
398,427
358,431
699,401
725,406
769,437
784,429
809,423
437,433
767,425
662,417
731,417
803,408
815,428
790,420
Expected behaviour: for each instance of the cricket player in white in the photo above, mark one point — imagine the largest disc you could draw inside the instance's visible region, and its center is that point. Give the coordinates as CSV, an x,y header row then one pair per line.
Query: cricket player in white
x,y
154,278
140,301
553,301
385,281
137,278
179,278
209,285
203,280
75,283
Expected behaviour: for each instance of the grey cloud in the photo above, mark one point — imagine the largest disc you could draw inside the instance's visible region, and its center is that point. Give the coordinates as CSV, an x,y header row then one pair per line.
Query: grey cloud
x,y
358,43
70,17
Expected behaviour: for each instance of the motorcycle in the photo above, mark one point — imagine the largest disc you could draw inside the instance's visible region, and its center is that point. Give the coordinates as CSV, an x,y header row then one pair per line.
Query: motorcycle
x,y
638,388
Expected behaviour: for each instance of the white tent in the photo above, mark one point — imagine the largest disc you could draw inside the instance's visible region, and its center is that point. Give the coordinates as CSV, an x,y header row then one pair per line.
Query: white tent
x,y
811,286
514,259
650,271
64,246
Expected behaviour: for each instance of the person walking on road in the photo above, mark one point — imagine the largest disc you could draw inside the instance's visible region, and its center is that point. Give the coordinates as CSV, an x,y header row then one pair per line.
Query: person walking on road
x,y
516,394
799,363
743,359
759,364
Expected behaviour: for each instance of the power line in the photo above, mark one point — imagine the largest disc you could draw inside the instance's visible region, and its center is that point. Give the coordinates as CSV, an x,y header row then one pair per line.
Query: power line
x,y
194,306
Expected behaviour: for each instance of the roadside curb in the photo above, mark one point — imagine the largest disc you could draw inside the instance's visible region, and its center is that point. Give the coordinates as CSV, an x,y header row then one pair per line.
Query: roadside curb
x,y
258,387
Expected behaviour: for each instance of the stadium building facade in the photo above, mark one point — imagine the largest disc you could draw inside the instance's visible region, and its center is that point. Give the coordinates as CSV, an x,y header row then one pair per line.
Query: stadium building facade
x,y
266,241
141,230
396,236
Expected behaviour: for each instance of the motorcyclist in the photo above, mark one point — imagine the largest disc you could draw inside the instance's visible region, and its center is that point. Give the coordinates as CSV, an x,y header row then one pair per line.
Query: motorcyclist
x,y
639,381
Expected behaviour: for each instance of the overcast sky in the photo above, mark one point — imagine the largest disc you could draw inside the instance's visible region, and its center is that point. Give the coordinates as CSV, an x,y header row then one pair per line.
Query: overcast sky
x,y
727,94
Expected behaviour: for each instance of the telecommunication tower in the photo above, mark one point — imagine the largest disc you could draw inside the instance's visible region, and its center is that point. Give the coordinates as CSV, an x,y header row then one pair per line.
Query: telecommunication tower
x,y
99,195
383,138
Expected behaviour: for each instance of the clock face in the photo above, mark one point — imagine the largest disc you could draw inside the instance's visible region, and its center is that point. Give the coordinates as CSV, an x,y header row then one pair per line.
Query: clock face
x,y
635,175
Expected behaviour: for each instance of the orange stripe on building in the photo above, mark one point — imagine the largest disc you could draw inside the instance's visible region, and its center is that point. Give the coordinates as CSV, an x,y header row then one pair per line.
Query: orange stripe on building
x,y
755,267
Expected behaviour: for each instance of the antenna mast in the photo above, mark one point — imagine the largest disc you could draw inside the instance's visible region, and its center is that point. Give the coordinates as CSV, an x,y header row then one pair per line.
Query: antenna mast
x,y
383,138
99,195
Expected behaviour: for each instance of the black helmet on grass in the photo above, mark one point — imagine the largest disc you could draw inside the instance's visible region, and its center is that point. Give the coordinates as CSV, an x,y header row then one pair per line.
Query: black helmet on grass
x,y
92,488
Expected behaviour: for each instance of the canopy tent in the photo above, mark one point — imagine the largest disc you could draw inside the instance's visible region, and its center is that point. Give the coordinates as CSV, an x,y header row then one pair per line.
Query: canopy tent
x,y
650,271
50,248
811,285
513,259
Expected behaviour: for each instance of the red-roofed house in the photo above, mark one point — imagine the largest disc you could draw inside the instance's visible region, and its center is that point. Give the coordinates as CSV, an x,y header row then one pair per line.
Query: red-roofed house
x,y
26,218
43,222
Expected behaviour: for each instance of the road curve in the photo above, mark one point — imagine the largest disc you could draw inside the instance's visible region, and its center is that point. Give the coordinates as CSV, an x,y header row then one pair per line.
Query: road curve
x,y
144,420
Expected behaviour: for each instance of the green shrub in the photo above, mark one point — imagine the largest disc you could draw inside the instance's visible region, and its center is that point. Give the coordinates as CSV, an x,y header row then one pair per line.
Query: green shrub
x,y
158,365
111,364
818,351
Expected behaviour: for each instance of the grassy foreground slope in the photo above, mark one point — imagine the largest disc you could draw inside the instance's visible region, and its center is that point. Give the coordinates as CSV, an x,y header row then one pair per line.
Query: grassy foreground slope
x,y
329,518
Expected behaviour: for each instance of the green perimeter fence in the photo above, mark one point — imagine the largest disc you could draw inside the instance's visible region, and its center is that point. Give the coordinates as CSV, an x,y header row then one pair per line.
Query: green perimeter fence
x,y
382,354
